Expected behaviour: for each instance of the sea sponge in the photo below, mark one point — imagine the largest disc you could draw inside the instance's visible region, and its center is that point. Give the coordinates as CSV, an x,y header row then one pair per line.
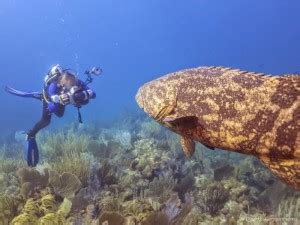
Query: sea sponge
x,y
29,214
48,204
59,217
8,209
65,185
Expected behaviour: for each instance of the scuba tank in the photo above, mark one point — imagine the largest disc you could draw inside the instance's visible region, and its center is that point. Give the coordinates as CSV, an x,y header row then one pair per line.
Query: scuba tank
x,y
54,73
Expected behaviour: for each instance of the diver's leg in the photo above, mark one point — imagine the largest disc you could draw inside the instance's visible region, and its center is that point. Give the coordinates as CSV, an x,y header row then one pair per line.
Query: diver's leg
x,y
44,121
60,111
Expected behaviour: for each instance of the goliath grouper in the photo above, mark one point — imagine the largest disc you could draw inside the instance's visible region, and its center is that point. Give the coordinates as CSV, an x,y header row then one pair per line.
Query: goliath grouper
x,y
230,109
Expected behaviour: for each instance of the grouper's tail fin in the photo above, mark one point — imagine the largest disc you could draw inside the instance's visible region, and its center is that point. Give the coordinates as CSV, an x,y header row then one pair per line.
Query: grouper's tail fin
x,y
35,95
288,170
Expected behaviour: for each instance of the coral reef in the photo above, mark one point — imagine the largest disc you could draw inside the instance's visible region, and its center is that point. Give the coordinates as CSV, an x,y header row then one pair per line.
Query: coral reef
x,y
9,208
65,185
134,172
212,199
31,180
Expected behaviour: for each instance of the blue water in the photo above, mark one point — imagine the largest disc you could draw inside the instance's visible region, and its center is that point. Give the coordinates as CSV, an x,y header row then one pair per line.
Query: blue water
x,y
135,41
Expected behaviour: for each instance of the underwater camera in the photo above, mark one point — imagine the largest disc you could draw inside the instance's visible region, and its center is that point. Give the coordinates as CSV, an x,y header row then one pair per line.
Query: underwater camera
x,y
95,71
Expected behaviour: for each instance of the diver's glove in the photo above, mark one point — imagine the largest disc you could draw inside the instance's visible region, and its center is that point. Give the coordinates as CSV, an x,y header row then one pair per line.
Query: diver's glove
x,y
55,98
63,99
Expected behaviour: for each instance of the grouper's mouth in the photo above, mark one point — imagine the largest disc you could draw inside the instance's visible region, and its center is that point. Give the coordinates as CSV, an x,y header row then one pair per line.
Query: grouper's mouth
x,y
139,99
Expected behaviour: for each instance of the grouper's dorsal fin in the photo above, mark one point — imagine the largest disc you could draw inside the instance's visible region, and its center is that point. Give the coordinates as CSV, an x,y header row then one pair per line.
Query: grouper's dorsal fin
x,y
188,146
230,69
287,170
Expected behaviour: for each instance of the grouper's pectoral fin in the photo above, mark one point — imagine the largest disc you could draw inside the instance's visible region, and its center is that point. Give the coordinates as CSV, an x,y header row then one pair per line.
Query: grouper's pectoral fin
x,y
186,122
288,170
188,146
209,147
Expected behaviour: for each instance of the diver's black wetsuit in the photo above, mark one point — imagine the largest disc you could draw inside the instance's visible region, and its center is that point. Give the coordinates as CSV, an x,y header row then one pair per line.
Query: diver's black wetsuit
x,y
46,118
57,108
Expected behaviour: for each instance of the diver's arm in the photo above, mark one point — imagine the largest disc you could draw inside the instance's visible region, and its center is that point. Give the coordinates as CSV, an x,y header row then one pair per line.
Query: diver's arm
x,y
84,96
86,93
53,93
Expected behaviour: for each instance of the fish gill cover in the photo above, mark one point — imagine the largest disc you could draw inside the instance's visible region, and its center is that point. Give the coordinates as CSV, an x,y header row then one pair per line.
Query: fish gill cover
x,y
121,167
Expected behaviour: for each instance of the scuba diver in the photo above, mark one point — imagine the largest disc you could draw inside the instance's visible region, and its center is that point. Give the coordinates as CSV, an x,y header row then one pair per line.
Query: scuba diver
x,y
61,88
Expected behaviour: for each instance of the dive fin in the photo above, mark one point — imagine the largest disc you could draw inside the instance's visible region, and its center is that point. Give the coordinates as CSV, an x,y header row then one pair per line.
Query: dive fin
x,y
288,170
35,95
188,146
32,153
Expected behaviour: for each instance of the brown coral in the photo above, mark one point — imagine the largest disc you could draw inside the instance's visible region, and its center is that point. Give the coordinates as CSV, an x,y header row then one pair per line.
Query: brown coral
x,y
31,179
65,185
212,199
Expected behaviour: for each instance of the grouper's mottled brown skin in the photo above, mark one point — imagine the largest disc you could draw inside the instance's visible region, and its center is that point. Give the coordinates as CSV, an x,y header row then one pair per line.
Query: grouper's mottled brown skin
x,y
235,110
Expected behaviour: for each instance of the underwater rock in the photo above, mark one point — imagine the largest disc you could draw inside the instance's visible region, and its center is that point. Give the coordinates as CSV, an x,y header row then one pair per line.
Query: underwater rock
x,y
65,185
223,172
